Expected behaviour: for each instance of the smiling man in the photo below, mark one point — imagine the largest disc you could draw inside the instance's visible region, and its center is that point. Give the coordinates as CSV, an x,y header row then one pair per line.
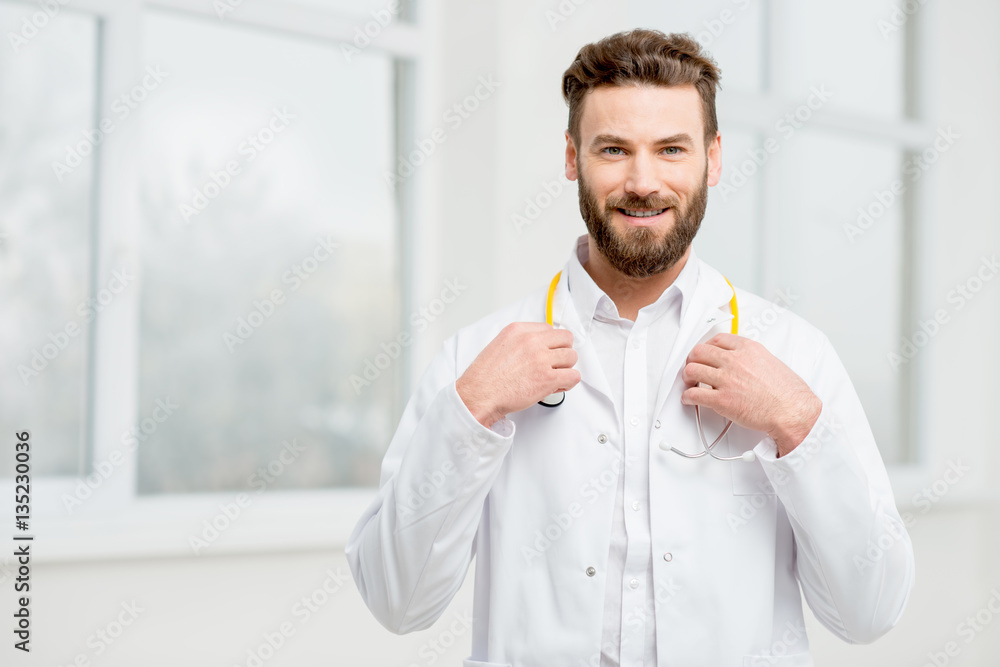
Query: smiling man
x,y
562,440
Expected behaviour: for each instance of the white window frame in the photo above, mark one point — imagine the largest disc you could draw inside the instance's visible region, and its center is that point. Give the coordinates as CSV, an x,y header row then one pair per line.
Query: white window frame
x,y
115,522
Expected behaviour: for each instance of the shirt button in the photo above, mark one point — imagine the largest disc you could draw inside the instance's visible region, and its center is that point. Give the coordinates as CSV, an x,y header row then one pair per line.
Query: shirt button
x,y
634,583
668,556
634,421
602,438
657,424
591,571
635,505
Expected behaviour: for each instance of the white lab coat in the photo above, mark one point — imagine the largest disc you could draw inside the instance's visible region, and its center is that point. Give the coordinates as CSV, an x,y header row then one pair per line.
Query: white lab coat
x,y
532,499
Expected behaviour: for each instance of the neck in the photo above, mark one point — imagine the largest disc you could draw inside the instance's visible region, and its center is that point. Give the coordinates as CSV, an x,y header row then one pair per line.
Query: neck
x,y
630,294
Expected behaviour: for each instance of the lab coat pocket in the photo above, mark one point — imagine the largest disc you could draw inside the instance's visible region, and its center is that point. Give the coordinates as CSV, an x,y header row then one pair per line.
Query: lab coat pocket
x,y
477,663
793,660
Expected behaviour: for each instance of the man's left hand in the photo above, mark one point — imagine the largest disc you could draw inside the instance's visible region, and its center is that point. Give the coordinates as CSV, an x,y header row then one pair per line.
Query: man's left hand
x,y
752,387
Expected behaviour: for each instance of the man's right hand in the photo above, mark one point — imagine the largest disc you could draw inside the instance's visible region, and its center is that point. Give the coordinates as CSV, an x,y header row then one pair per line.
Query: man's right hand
x,y
526,362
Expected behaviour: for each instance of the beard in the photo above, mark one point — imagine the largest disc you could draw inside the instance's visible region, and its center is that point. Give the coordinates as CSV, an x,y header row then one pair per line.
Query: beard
x,y
637,252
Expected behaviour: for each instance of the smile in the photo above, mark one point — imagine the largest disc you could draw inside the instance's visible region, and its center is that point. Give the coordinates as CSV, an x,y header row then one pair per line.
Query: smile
x,y
636,213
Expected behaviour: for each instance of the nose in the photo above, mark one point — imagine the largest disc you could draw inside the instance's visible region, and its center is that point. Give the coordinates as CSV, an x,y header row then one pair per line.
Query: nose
x,y
641,179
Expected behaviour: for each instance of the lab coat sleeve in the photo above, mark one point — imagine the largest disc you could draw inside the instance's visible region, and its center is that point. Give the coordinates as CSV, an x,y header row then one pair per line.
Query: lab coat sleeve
x,y
411,549
854,558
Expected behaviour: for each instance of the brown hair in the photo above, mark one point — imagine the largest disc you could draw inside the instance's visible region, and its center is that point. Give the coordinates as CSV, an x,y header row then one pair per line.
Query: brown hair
x,y
642,56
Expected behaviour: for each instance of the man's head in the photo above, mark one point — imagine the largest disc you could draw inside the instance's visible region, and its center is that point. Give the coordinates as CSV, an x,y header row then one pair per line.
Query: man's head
x,y
643,138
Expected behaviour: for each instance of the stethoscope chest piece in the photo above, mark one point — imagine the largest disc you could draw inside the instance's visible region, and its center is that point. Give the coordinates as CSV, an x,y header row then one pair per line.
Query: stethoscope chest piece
x,y
552,400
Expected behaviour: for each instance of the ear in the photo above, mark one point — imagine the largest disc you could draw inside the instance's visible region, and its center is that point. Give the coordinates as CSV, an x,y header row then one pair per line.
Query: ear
x,y
570,158
715,160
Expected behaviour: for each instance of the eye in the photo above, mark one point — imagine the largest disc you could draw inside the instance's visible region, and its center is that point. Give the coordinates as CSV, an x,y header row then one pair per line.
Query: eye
x,y
613,148
673,150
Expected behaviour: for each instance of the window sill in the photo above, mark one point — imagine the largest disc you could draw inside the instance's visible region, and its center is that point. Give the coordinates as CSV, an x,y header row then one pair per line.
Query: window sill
x,y
202,526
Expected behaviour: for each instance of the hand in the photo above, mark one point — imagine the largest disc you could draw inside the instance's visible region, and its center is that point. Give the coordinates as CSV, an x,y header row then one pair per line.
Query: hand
x,y
752,387
526,362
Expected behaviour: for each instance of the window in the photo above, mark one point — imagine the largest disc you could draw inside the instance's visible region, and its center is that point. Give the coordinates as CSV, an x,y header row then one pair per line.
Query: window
x,y
230,224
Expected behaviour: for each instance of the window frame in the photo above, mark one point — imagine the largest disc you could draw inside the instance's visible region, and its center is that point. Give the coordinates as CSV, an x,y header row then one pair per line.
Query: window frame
x,y
117,522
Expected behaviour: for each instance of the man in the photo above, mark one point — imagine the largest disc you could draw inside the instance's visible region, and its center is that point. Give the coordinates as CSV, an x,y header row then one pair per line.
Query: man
x,y
596,543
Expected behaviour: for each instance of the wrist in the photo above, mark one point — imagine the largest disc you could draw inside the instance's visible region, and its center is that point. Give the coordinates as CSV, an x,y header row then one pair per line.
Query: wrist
x,y
790,433
480,409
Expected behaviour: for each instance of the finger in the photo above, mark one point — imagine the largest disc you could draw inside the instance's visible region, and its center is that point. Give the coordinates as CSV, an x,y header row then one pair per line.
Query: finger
x,y
703,396
726,341
567,378
708,355
696,373
559,338
563,357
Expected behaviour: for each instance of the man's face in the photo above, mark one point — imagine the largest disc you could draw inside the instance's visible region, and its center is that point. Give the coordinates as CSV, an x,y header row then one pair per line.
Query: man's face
x,y
644,173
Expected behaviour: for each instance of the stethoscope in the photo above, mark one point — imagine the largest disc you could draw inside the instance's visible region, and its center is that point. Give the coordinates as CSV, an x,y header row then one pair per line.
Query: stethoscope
x,y
556,399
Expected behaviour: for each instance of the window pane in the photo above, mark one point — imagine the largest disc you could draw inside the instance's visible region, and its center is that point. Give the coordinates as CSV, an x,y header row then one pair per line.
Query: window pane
x,y
261,153
730,30
47,99
840,46
730,233
844,270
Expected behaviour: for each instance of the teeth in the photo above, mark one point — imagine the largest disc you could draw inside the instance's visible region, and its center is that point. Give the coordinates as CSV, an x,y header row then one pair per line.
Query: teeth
x,y
642,214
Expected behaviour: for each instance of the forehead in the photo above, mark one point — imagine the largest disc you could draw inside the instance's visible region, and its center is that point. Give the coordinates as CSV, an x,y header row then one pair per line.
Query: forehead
x,y
641,111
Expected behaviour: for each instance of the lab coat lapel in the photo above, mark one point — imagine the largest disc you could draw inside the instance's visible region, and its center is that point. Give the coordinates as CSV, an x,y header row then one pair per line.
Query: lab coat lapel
x,y
566,316
709,308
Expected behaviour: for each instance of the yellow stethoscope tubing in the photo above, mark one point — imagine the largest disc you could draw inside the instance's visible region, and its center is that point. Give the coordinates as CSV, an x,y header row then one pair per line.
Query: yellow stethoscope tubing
x,y
553,400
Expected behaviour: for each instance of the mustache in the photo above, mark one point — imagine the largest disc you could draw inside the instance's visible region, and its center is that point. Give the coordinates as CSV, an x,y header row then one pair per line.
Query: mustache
x,y
635,202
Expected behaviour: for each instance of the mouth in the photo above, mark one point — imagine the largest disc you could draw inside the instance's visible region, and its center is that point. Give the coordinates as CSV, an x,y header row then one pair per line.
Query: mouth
x,y
642,216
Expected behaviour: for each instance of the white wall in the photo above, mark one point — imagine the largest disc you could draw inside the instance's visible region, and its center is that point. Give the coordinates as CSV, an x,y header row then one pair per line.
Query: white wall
x,y
211,610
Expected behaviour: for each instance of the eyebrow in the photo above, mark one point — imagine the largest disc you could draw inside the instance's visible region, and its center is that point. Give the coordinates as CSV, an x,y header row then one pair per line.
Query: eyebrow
x,y
681,138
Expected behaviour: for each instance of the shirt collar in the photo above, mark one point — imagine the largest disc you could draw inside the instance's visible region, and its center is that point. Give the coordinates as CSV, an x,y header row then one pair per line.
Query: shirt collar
x,y
590,300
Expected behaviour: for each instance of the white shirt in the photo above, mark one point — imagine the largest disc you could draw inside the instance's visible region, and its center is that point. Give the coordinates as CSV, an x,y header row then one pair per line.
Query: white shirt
x,y
634,355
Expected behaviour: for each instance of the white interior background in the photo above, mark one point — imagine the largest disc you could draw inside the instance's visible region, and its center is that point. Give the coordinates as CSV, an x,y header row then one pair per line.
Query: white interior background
x,y
453,219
